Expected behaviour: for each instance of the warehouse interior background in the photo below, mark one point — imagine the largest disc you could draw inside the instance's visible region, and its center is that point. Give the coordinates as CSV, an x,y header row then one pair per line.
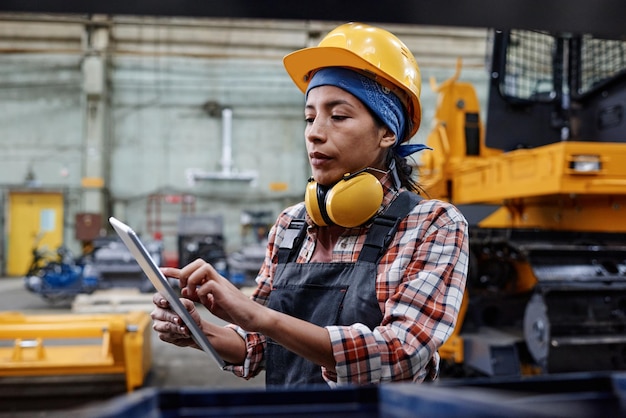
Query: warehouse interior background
x,y
163,112
148,118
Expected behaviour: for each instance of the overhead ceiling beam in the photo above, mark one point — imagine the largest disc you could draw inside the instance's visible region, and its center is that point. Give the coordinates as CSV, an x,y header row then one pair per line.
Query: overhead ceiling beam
x,y
593,16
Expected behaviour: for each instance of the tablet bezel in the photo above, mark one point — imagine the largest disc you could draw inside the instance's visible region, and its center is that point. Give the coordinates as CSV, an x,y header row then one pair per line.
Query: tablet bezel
x,y
161,284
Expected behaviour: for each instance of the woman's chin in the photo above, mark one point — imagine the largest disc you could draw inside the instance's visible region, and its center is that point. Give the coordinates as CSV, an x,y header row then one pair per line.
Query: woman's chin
x,y
326,180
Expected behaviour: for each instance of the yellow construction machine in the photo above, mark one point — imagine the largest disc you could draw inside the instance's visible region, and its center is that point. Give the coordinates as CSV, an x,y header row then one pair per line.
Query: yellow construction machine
x,y
543,185
67,347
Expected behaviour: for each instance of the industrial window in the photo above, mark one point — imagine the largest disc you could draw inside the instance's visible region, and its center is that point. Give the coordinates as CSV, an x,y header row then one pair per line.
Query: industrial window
x,y
529,66
601,60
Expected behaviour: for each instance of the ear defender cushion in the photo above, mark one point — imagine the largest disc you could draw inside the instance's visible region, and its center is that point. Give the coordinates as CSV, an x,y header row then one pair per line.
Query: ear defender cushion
x,y
312,203
354,200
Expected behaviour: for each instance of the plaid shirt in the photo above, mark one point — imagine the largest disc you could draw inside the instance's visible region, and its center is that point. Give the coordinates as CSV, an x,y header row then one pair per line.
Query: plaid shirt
x,y
420,285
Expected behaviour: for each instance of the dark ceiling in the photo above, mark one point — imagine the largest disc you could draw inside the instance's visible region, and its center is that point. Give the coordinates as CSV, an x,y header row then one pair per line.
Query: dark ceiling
x,y
595,16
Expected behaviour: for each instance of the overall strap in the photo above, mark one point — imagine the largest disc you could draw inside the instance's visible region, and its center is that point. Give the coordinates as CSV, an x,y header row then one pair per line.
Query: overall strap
x,y
382,231
294,235
385,226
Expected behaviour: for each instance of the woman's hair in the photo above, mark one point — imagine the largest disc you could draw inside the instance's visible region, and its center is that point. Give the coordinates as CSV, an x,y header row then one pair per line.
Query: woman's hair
x,y
405,173
403,168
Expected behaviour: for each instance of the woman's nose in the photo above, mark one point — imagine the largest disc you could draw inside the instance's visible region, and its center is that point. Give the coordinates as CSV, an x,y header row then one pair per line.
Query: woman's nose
x,y
315,130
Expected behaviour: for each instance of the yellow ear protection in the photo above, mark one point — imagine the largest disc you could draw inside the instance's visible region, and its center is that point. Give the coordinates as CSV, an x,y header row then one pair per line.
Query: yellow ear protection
x,y
351,202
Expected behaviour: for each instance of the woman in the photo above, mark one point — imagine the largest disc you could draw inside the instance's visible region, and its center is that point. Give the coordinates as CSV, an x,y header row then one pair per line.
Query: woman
x,y
363,281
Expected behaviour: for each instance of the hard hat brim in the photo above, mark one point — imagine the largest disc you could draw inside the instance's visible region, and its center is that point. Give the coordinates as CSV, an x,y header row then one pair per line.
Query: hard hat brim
x,y
302,64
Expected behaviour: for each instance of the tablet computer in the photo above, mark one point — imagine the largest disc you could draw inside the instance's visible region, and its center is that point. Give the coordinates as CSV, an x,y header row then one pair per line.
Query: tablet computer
x,y
149,267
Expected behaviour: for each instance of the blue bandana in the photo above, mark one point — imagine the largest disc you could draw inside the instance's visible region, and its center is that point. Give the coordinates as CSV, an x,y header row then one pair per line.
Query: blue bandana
x,y
382,102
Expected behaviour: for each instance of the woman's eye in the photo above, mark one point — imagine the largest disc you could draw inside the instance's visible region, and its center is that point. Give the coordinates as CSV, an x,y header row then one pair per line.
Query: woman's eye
x,y
309,119
339,117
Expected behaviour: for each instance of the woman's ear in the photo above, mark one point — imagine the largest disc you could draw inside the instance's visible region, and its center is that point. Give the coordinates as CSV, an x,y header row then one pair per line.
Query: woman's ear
x,y
388,139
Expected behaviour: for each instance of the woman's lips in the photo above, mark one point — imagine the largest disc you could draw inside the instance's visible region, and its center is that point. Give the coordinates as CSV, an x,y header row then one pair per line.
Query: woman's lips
x,y
318,159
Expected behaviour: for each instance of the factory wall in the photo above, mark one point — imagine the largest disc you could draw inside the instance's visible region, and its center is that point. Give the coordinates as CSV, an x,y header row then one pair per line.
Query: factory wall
x,y
125,115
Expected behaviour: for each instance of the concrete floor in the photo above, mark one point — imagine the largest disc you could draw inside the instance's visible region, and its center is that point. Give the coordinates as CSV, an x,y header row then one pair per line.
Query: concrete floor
x,y
172,367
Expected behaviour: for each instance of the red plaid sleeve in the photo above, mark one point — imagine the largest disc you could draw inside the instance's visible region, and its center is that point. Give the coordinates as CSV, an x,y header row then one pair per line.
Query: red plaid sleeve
x,y
420,285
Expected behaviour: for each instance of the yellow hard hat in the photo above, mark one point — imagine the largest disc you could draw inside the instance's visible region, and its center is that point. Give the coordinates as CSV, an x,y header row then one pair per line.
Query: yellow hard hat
x,y
372,51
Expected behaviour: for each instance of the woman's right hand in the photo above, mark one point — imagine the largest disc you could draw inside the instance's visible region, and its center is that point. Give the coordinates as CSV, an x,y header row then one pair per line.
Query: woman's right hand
x,y
200,282
169,326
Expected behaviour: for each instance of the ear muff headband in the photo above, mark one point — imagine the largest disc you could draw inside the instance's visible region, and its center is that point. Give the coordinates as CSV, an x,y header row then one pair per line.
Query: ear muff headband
x,y
351,202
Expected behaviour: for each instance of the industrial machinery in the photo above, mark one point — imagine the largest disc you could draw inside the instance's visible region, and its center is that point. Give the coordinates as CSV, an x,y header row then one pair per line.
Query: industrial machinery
x,y
115,267
88,348
109,265
202,236
245,263
543,186
59,277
